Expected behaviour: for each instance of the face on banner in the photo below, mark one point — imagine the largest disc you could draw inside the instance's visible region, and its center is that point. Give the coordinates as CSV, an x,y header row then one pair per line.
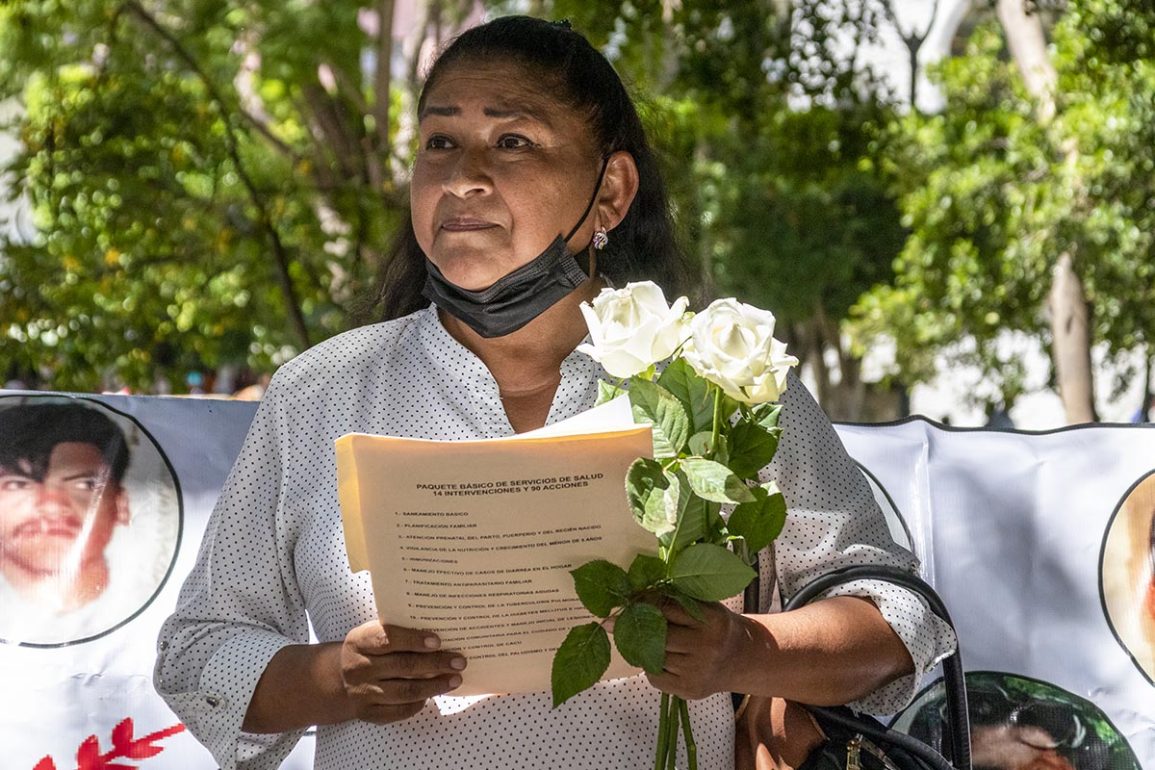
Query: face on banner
x,y
55,523
1127,574
1019,723
89,519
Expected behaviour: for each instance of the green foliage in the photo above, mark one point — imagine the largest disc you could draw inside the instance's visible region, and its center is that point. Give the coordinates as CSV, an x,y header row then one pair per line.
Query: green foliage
x,y
769,126
710,572
713,481
760,521
993,193
209,189
640,636
654,404
678,378
601,586
752,447
579,662
678,497
192,201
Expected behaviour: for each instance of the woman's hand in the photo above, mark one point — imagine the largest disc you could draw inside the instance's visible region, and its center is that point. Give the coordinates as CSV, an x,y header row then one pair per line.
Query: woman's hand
x,y
389,672
700,655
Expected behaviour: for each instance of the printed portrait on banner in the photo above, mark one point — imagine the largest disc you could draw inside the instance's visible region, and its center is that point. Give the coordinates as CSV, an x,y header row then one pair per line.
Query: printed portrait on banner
x,y
1019,723
90,519
1127,574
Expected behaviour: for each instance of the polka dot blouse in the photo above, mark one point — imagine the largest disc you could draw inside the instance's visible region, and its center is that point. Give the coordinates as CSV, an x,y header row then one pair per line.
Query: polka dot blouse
x,y
273,561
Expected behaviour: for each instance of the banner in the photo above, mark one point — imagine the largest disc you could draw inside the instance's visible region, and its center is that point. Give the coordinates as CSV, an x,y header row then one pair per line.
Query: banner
x,y
1042,546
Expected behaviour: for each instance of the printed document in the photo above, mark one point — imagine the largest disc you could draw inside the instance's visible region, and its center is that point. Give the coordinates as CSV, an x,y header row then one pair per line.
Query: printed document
x,y
474,540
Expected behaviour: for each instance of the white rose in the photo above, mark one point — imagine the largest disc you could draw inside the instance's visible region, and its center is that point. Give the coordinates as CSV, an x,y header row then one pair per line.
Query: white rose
x,y
633,328
733,346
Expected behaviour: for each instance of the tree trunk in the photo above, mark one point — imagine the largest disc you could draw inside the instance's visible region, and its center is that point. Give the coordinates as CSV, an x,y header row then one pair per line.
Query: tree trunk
x,y
1070,314
1071,343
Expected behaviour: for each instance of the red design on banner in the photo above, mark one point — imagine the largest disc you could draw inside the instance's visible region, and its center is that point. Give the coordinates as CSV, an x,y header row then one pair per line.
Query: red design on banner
x,y
88,756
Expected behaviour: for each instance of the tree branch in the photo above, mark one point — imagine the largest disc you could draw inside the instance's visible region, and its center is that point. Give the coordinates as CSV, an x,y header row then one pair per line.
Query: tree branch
x,y
280,254
214,93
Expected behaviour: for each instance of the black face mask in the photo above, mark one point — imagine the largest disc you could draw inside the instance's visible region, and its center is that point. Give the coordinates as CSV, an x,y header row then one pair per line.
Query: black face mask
x,y
518,297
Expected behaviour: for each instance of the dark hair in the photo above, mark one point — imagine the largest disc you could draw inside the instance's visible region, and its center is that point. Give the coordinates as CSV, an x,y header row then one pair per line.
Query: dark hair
x,y
643,245
998,700
29,433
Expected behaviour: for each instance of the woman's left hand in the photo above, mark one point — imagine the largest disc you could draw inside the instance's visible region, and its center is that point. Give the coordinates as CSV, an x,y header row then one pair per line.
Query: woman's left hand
x,y
700,654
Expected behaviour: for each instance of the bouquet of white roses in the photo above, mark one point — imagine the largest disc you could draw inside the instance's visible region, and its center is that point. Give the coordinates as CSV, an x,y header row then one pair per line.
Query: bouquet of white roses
x,y
715,426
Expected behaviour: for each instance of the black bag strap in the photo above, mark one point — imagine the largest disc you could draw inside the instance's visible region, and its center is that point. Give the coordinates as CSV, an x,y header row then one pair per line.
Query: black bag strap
x,y
958,727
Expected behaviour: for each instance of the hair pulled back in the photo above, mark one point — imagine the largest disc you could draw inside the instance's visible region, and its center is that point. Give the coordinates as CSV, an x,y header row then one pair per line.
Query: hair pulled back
x,y
643,245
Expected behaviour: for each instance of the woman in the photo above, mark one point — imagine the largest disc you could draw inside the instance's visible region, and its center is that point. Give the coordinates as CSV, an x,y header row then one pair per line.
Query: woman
x,y
530,153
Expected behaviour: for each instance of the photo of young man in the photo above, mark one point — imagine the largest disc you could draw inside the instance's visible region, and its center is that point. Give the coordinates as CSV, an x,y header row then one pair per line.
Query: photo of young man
x,y
1020,723
1127,574
75,559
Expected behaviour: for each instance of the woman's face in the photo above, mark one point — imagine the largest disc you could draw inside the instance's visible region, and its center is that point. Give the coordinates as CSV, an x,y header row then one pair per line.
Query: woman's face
x,y
503,169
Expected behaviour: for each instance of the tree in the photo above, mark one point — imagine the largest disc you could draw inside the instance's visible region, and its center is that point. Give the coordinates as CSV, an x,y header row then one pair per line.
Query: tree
x,y
207,188
1003,192
767,117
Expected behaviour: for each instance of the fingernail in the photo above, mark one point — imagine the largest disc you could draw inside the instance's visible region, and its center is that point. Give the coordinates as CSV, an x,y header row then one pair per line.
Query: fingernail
x,y
457,663
454,682
432,642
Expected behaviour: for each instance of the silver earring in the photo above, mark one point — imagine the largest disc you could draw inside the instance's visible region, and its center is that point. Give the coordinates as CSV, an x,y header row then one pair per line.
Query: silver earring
x,y
601,238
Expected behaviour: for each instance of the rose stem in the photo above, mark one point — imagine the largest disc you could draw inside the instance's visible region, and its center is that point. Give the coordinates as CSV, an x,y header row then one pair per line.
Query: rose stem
x,y
663,732
691,747
717,426
672,757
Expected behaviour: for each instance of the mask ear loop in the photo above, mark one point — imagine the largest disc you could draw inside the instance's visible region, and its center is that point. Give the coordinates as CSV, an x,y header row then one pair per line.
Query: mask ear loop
x,y
593,198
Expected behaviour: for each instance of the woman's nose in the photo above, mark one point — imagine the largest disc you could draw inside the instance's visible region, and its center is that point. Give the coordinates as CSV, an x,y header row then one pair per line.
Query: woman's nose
x,y
469,174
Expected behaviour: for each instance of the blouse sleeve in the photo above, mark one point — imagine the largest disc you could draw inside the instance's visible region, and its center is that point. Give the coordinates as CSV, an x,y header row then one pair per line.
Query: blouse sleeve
x,y
238,606
833,521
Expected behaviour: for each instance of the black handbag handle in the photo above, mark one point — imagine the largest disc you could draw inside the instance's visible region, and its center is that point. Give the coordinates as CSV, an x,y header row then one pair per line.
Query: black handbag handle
x,y
958,726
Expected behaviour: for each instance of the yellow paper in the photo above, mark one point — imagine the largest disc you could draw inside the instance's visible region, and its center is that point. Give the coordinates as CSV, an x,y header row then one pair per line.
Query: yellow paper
x,y
474,540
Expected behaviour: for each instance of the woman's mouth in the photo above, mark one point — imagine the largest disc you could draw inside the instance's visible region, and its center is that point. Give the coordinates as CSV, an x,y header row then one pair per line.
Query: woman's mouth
x,y
464,225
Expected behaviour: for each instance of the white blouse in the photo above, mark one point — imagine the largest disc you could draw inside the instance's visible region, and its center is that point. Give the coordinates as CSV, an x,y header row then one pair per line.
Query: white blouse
x,y
273,561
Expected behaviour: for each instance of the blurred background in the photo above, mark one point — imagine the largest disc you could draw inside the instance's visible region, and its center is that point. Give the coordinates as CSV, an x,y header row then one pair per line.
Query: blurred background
x,y
948,204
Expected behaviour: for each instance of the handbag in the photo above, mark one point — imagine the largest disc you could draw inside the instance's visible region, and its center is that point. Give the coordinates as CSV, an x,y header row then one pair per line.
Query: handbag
x,y
839,737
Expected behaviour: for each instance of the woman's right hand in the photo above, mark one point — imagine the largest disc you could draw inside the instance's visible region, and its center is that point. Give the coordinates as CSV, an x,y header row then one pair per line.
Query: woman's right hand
x,y
389,672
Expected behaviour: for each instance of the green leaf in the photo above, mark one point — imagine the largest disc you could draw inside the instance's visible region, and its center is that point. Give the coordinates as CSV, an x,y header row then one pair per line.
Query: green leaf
x,y
640,636
660,506
692,391
657,518
692,606
654,404
642,479
607,392
759,522
714,481
752,447
722,450
767,415
699,444
710,572
602,586
579,662
691,514
646,571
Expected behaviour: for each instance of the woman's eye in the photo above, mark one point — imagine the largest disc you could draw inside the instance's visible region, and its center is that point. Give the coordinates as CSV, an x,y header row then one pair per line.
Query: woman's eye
x,y
438,142
514,142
